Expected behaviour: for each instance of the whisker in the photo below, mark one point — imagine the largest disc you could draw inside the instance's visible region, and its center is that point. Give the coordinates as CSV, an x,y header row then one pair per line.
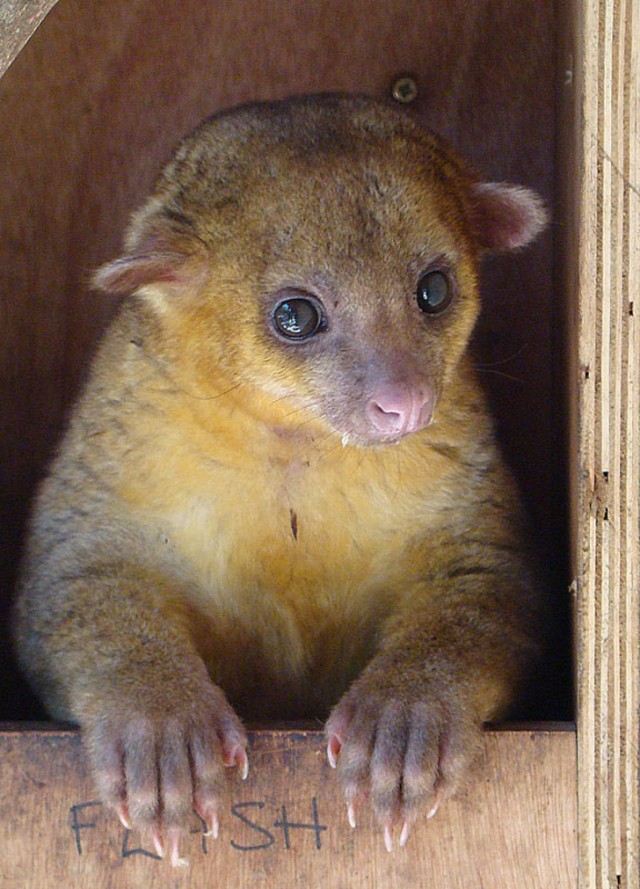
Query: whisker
x,y
500,373
523,348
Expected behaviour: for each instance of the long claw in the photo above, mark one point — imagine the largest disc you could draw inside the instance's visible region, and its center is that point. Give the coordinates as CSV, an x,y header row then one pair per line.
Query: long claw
x,y
214,829
333,750
157,843
242,761
174,850
123,815
210,817
404,836
351,815
176,861
436,805
213,825
237,757
388,838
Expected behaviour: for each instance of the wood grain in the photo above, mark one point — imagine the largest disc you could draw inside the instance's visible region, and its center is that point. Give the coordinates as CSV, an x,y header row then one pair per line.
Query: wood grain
x,y
602,280
515,826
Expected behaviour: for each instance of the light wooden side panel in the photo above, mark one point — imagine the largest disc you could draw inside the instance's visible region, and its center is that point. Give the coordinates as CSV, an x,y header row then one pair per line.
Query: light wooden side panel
x,y
287,826
607,258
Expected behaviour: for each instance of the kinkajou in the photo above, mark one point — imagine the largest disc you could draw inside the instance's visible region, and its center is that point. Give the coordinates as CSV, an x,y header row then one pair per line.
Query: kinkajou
x,y
279,494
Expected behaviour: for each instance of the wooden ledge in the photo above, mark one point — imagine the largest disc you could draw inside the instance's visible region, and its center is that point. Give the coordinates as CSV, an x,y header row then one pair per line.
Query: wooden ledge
x,y
287,825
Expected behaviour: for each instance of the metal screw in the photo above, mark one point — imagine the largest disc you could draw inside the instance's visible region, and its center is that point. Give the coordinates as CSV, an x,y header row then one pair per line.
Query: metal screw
x,y
404,89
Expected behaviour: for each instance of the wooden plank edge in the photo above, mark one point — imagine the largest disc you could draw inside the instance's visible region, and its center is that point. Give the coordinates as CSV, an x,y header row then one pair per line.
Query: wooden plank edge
x,y
296,727
516,824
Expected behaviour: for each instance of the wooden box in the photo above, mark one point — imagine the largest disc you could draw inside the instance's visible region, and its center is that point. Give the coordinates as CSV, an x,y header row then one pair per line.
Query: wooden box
x,y
92,97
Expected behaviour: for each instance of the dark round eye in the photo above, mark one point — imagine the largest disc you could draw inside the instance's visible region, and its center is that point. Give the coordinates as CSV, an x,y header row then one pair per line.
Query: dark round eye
x,y
297,318
434,292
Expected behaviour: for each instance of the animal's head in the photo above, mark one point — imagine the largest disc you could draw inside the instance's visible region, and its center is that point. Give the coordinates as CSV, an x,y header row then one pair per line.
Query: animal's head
x,y
321,252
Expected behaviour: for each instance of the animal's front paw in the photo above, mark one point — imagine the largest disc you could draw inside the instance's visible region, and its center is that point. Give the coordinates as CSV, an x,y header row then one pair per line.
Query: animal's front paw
x,y
405,746
154,763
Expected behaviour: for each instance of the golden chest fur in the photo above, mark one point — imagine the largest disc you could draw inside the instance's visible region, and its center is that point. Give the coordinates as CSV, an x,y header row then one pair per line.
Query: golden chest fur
x,y
291,543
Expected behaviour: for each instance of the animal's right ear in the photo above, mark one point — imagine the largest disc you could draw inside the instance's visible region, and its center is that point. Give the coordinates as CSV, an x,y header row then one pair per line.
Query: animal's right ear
x,y
132,272
158,250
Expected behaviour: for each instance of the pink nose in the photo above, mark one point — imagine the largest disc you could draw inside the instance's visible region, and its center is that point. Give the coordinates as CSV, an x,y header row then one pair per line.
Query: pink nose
x,y
397,409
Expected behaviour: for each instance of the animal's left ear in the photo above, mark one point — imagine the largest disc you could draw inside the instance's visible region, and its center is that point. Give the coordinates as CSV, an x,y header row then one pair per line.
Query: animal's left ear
x,y
506,216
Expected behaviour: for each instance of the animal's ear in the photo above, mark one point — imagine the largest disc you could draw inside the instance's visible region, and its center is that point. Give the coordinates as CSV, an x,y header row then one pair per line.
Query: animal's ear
x,y
506,216
158,250
129,273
